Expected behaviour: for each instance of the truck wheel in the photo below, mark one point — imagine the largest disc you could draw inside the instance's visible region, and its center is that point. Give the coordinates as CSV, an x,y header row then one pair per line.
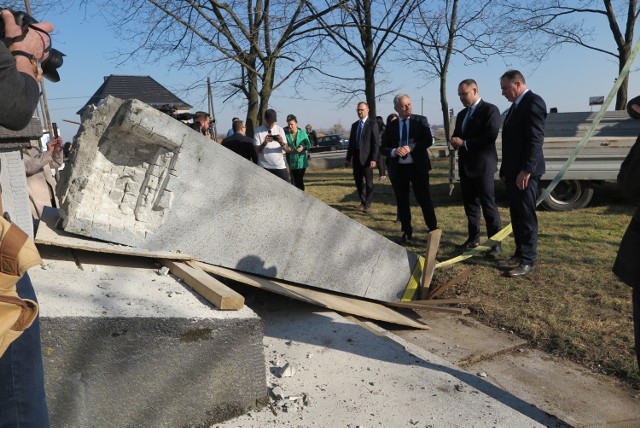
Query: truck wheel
x,y
568,195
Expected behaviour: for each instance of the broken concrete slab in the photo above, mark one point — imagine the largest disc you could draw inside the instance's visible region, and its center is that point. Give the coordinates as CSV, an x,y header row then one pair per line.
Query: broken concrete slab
x,y
141,178
124,346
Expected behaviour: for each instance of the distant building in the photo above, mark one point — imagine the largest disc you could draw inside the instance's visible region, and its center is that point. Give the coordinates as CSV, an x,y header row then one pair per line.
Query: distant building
x,y
143,88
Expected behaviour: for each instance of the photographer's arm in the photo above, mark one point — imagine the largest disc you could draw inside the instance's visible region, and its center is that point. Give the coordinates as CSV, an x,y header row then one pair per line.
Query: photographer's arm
x,y
17,75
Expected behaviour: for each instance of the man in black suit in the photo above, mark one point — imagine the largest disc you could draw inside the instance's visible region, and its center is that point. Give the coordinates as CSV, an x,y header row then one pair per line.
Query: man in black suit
x,y
404,143
364,144
522,165
240,143
474,138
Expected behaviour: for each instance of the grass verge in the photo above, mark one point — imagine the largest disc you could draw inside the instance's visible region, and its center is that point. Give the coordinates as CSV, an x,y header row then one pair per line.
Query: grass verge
x,y
571,306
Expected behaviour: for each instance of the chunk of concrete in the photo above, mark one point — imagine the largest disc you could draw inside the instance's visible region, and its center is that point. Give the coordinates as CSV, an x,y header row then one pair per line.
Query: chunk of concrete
x,y
125,347
143,179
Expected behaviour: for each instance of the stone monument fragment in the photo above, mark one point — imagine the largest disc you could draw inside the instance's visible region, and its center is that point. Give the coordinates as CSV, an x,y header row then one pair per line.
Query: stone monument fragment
x,y
141,178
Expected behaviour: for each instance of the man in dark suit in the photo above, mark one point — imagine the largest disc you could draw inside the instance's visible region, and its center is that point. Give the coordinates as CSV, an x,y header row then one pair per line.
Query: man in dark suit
x,y
364,144
474,138
522,165
240,143
404,143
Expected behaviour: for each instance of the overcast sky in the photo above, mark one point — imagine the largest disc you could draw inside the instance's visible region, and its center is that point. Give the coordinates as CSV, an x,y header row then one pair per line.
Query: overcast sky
x,y
565,81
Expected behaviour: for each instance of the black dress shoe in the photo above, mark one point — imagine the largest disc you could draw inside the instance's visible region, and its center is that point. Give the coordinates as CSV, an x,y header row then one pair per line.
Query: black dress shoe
x,y
469,244
494,252
405,238
520,270
510,263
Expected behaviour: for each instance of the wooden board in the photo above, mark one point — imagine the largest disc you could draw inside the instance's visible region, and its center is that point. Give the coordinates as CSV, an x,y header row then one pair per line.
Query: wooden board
x,y
49,235
433,242
350,305
207,286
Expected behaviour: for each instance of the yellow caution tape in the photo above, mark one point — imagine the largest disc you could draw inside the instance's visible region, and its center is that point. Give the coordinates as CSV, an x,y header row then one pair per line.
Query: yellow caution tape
x,y
414,281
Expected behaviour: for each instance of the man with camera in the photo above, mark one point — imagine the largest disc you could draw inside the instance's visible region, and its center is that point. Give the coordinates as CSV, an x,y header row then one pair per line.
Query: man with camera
x,y
22,395
271,145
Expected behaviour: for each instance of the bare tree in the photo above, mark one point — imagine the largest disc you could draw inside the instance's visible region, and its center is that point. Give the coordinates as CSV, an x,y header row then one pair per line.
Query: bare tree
x,y
444,30
365,30
558,22
251,46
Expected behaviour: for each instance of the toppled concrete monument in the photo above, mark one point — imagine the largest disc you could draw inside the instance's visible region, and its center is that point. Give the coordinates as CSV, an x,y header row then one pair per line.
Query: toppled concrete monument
x,y
142,178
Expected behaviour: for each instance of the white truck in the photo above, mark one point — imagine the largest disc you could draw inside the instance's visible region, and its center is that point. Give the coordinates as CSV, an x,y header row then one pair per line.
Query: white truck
x,y
598,161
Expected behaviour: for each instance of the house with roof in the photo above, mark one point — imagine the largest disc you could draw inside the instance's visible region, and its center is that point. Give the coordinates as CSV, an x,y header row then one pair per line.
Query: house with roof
x,y
143,88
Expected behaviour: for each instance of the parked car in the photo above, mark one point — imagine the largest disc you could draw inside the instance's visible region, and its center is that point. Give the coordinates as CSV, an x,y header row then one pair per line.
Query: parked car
x,y
331,142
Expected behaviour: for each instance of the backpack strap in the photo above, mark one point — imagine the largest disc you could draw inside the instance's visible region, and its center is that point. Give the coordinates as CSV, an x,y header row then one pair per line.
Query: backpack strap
x,y
12,243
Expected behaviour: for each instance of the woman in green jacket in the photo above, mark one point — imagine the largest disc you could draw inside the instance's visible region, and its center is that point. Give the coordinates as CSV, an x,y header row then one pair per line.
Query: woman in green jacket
x,y
298,158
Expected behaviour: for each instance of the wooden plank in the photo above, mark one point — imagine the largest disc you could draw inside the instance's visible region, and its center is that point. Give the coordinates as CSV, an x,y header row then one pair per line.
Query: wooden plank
x,y
207,286
48,234
433,242
455,280
433,308
349,305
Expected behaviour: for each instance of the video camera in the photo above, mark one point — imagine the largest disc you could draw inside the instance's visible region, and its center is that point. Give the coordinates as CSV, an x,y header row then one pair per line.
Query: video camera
x,y
54,61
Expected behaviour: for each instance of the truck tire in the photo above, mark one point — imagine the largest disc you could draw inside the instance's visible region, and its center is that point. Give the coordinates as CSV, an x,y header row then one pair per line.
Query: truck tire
x,y
568,195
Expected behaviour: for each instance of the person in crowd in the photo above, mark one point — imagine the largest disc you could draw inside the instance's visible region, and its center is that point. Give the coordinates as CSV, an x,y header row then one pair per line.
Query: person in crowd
x,y
311,133
22,387
201,123
298,142
626,266
364,145
230,132
240,143
521,168
474,137
381,161
271,143
405,143
390,118
39,166
66,151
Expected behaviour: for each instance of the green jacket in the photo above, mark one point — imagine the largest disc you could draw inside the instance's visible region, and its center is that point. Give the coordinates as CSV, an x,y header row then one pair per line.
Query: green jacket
x,y
298,160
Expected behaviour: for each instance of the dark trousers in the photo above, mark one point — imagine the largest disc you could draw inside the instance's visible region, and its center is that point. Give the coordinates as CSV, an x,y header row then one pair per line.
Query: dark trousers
x,y
297,178
635,297
522,208
477,193
22,394
404,178
363,176
282,173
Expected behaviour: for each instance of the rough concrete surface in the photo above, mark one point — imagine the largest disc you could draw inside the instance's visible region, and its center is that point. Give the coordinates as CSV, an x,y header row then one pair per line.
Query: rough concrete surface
x,y
127,347
141,178
566,390
351,377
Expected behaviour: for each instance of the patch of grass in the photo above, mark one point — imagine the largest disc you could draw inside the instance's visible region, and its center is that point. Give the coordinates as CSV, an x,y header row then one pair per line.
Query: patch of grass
x,y
571,306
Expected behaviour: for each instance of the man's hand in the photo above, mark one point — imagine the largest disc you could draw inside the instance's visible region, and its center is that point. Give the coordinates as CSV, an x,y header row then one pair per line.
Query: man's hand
x,y
522,180
403,151
457,142
35,43
372,164
54,144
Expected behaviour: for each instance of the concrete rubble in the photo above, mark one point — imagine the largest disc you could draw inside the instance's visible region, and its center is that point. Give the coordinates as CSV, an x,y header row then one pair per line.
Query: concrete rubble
x,y
142,178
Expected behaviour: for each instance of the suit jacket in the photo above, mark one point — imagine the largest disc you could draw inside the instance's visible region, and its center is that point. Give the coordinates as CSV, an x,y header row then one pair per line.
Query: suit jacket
x,y
523,136
419,131
242,145
369,144
480,157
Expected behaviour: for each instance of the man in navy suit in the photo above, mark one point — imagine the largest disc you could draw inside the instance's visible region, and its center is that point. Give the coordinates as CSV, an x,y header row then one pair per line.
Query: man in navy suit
x,y
404,143
522,165
364,145
474,138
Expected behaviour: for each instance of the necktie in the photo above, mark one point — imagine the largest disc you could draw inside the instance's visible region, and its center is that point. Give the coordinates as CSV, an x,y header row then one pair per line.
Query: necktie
x,y
511,109
466,119
405,132
359,135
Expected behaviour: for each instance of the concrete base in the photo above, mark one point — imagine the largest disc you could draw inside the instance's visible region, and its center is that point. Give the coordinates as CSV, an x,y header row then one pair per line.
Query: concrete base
x,y
124,346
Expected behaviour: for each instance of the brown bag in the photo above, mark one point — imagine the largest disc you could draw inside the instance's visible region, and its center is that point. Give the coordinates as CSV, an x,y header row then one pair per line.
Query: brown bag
x,y
17,254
